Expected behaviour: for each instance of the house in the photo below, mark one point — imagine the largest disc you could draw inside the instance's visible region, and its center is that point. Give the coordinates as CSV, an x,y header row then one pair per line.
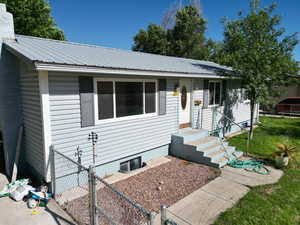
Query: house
x,y
285,95
60,92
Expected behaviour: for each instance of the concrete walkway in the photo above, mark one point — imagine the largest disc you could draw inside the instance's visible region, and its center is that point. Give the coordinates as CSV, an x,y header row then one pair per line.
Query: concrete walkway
x,y
14,213
203,206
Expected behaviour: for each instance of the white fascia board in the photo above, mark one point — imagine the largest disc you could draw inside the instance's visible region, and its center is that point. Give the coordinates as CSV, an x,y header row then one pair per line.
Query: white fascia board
x,y
45,114
90,69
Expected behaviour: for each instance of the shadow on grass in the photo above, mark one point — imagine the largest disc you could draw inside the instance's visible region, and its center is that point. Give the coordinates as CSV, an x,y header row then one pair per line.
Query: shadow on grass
x,y
291,131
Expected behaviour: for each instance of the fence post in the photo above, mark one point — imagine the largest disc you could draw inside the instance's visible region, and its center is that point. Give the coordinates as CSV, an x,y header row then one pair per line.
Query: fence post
x,y
92,197
163,214
53,178
151,218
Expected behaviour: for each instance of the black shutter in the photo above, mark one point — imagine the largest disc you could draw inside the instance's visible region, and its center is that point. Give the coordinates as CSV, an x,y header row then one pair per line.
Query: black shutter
x,y
86,90
224,91
162,92
205,94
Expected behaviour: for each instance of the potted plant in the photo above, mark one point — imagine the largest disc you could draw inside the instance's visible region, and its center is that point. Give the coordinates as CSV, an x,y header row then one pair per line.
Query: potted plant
x,y
284,154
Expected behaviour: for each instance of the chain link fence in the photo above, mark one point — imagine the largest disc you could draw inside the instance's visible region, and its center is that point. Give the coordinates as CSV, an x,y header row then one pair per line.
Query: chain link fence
x,y
88,198
70,181
118,208
170,218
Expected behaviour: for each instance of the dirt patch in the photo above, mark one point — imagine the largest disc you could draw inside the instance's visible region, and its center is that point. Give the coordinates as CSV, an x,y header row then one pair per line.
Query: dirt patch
x,y
162,185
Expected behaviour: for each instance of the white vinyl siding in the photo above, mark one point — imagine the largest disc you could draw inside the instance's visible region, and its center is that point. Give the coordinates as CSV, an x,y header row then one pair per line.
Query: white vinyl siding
x,y
116,139
240,111
31,109
197,109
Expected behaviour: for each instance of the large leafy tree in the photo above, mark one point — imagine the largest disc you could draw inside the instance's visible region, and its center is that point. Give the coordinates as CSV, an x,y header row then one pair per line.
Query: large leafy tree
x,y
33,17
185,39
187,36
153,40
259,52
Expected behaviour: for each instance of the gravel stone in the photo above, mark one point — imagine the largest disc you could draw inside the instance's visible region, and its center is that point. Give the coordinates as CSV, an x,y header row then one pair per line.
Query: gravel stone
x,y
162,185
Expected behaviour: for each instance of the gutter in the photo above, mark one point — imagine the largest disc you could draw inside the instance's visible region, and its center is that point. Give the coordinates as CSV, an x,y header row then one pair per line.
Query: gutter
x,y
119,71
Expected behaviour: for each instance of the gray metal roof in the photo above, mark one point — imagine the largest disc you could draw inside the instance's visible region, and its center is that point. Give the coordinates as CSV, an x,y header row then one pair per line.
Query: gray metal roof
x,y
68,53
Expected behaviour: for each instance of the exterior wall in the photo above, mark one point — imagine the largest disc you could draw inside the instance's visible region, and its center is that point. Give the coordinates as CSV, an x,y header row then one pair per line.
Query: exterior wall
x,y
10,105
117,140
66,182
197,109
238,111
31,109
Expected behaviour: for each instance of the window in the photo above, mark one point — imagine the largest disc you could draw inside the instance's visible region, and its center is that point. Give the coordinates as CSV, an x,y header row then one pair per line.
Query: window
x,y
129,98
130,165
214,92
105,98
125,98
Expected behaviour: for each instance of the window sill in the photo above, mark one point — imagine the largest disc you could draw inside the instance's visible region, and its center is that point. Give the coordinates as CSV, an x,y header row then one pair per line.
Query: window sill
x,y
126,118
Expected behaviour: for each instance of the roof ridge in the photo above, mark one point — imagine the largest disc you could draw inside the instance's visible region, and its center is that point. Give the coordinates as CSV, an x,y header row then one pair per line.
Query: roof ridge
x,y
115,49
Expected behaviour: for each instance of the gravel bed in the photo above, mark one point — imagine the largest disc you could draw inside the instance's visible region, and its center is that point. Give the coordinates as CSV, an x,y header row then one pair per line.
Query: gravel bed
x,y
162,185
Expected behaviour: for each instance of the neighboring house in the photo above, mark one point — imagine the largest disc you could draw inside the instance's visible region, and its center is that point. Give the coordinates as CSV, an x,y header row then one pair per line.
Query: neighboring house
x,y
62,91
291,90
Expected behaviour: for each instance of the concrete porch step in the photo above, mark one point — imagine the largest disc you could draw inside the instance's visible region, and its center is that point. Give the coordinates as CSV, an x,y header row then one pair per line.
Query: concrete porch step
x,y
196,145
213,148
221,153
203,142
221,162
189,135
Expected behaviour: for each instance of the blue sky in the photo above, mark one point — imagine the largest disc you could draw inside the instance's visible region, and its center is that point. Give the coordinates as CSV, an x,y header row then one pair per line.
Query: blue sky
x,y
114,23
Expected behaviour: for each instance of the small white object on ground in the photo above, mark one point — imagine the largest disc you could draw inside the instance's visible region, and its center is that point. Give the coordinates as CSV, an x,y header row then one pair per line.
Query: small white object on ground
x,y
21,192
32,203
11,187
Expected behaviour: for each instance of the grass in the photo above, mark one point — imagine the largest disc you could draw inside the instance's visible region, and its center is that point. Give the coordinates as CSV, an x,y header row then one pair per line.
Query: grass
x,y
276,204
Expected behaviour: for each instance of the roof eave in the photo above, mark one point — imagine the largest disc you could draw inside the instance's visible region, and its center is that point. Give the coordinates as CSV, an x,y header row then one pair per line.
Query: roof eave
x,y
119,71
19,55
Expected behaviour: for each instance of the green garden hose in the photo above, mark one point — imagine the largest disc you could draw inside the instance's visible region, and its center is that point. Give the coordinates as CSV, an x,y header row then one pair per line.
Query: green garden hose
x,y
249,165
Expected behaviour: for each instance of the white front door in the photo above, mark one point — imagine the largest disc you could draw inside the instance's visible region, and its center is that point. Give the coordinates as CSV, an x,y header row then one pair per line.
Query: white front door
x,y
184,103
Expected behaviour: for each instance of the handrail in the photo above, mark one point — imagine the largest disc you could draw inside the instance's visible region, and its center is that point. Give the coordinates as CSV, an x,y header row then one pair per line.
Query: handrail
x,y
242,128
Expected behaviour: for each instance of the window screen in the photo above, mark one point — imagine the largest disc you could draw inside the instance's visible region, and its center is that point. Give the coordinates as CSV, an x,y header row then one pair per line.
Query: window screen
x,y
124,167
105,100
129,98
131,164
150,94
135,163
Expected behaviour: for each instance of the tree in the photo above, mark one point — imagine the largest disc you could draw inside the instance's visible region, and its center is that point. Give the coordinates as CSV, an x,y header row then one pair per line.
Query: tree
x,y
153,40
185,39
260,55
187,36
33,17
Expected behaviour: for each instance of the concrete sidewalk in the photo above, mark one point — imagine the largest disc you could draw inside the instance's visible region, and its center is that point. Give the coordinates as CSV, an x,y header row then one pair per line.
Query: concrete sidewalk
x,y
203,206
14,213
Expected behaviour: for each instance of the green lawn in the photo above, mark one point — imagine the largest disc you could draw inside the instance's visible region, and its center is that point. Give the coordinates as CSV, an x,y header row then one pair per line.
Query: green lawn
x,y
276,204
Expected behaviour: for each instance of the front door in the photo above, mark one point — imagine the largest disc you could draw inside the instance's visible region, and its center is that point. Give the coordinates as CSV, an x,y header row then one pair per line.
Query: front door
x,y
185,103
